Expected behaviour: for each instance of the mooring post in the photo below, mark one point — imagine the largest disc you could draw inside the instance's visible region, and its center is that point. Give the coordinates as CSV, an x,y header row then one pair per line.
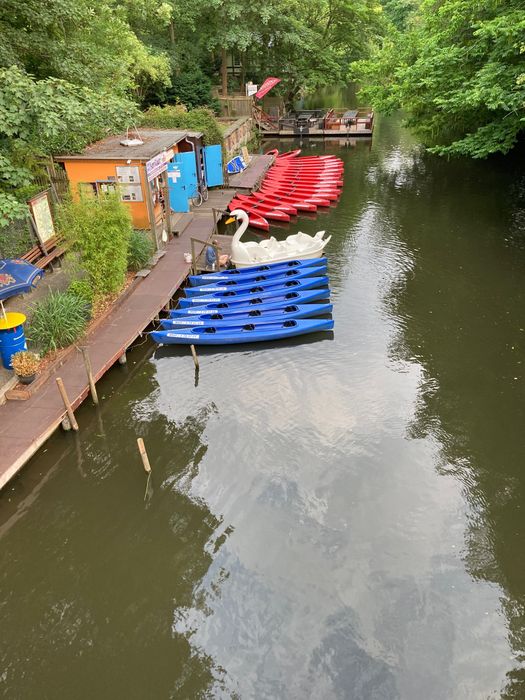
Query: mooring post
x,y
67,404
195,358
89,372
144,455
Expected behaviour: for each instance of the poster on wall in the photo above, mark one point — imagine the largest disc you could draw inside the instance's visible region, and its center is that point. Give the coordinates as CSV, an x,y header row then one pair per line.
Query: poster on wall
x,y
128,174
130,187
131,193
41,212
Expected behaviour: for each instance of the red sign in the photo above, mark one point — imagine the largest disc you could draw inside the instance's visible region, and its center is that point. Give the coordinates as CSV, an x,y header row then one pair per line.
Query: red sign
x,y
268,84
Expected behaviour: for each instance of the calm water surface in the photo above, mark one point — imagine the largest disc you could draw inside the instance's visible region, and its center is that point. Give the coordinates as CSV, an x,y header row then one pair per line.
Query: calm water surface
x,y
339,518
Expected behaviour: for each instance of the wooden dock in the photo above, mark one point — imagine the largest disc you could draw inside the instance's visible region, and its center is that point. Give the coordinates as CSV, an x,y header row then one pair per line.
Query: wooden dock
x,y
342,132
26,425
318,123
252,176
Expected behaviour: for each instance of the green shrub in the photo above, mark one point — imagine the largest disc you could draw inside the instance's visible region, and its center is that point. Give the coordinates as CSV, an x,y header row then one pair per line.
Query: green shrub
x,y
178,117
99,229
83,290
191,88
57,321
140,250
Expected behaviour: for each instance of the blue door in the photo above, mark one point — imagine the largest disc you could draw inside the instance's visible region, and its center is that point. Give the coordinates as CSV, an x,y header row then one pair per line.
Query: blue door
x,y
182,180
213,165
178,195
188,166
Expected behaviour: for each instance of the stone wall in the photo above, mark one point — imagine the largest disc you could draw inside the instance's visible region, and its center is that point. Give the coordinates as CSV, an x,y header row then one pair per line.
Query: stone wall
x,y
237,135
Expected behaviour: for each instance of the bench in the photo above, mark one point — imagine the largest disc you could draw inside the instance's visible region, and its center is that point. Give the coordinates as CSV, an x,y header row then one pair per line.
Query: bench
x,y
54,248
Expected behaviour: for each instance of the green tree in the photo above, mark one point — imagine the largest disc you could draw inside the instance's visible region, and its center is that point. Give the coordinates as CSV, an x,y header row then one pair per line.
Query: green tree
x,y
459,71
41,117
85,43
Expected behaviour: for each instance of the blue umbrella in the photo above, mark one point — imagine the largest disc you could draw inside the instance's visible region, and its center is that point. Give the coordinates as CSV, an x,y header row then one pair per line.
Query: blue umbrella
x,y
16,277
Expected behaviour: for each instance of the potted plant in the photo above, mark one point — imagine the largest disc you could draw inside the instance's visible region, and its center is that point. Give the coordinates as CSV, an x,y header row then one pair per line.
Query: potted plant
x,y
26,365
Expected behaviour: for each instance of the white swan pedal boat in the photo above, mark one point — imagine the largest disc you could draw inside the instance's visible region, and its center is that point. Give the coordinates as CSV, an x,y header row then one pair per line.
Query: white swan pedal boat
x,y
296,246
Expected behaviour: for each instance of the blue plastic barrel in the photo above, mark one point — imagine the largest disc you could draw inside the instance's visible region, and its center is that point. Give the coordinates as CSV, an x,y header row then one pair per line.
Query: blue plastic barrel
x,y
12,337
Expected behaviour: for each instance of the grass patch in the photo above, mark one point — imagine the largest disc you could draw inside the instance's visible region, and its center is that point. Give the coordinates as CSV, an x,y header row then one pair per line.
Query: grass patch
x,y
57,321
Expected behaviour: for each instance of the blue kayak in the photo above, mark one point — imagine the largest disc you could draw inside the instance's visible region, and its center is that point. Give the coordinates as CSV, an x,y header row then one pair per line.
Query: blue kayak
x,y
254,269
259,290
247,333
247,274
259,284
269,302
245,316
259,278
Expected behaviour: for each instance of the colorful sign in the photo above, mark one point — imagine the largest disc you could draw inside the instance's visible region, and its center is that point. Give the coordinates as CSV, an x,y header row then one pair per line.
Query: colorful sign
x,y
158,164
268,84
42,217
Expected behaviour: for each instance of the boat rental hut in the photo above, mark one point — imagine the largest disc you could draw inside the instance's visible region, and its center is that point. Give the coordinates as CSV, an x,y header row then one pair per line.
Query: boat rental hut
x,y
157,172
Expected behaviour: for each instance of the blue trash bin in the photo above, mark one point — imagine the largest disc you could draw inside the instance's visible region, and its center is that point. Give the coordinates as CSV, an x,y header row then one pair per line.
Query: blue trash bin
x,y
12,337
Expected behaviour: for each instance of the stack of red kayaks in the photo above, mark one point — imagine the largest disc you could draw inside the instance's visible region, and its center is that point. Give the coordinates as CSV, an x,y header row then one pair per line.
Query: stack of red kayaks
x,y
292,184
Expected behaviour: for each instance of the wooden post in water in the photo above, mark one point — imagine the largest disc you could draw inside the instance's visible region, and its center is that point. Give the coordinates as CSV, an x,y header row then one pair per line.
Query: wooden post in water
x,y
67,404
144,455
195,358
89,372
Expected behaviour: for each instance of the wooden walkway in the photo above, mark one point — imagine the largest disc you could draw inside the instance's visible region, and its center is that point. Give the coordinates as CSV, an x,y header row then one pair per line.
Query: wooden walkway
x,y
251,177
26,425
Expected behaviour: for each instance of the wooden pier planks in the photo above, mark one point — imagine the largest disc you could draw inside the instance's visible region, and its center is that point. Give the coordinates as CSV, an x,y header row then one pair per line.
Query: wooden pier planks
x,y
250,178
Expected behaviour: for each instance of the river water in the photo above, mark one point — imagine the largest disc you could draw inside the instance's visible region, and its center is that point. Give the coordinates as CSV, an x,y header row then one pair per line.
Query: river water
x,y
337,518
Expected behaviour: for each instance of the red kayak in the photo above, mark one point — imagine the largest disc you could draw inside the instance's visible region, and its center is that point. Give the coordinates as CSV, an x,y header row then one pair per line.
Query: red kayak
x,y
319,159
276,204
313,187
290,165
300,180
289,154
257,221
265,212
299,163
300,192
306,174
307,202
295,202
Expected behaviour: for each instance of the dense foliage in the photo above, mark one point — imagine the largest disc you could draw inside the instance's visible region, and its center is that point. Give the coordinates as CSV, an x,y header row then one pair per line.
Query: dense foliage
x,y
177,117
99,229
82,289
41,117
57,321
459,71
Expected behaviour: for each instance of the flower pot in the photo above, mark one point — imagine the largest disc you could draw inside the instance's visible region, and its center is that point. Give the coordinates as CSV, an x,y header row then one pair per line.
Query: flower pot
x,y
27,379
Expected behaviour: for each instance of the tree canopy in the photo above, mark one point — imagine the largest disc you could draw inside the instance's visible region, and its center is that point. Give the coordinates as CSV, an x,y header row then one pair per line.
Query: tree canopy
x,y
458,68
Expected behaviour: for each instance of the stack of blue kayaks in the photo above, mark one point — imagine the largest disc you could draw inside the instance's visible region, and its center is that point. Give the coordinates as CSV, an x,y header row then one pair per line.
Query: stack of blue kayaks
x,y
265,302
